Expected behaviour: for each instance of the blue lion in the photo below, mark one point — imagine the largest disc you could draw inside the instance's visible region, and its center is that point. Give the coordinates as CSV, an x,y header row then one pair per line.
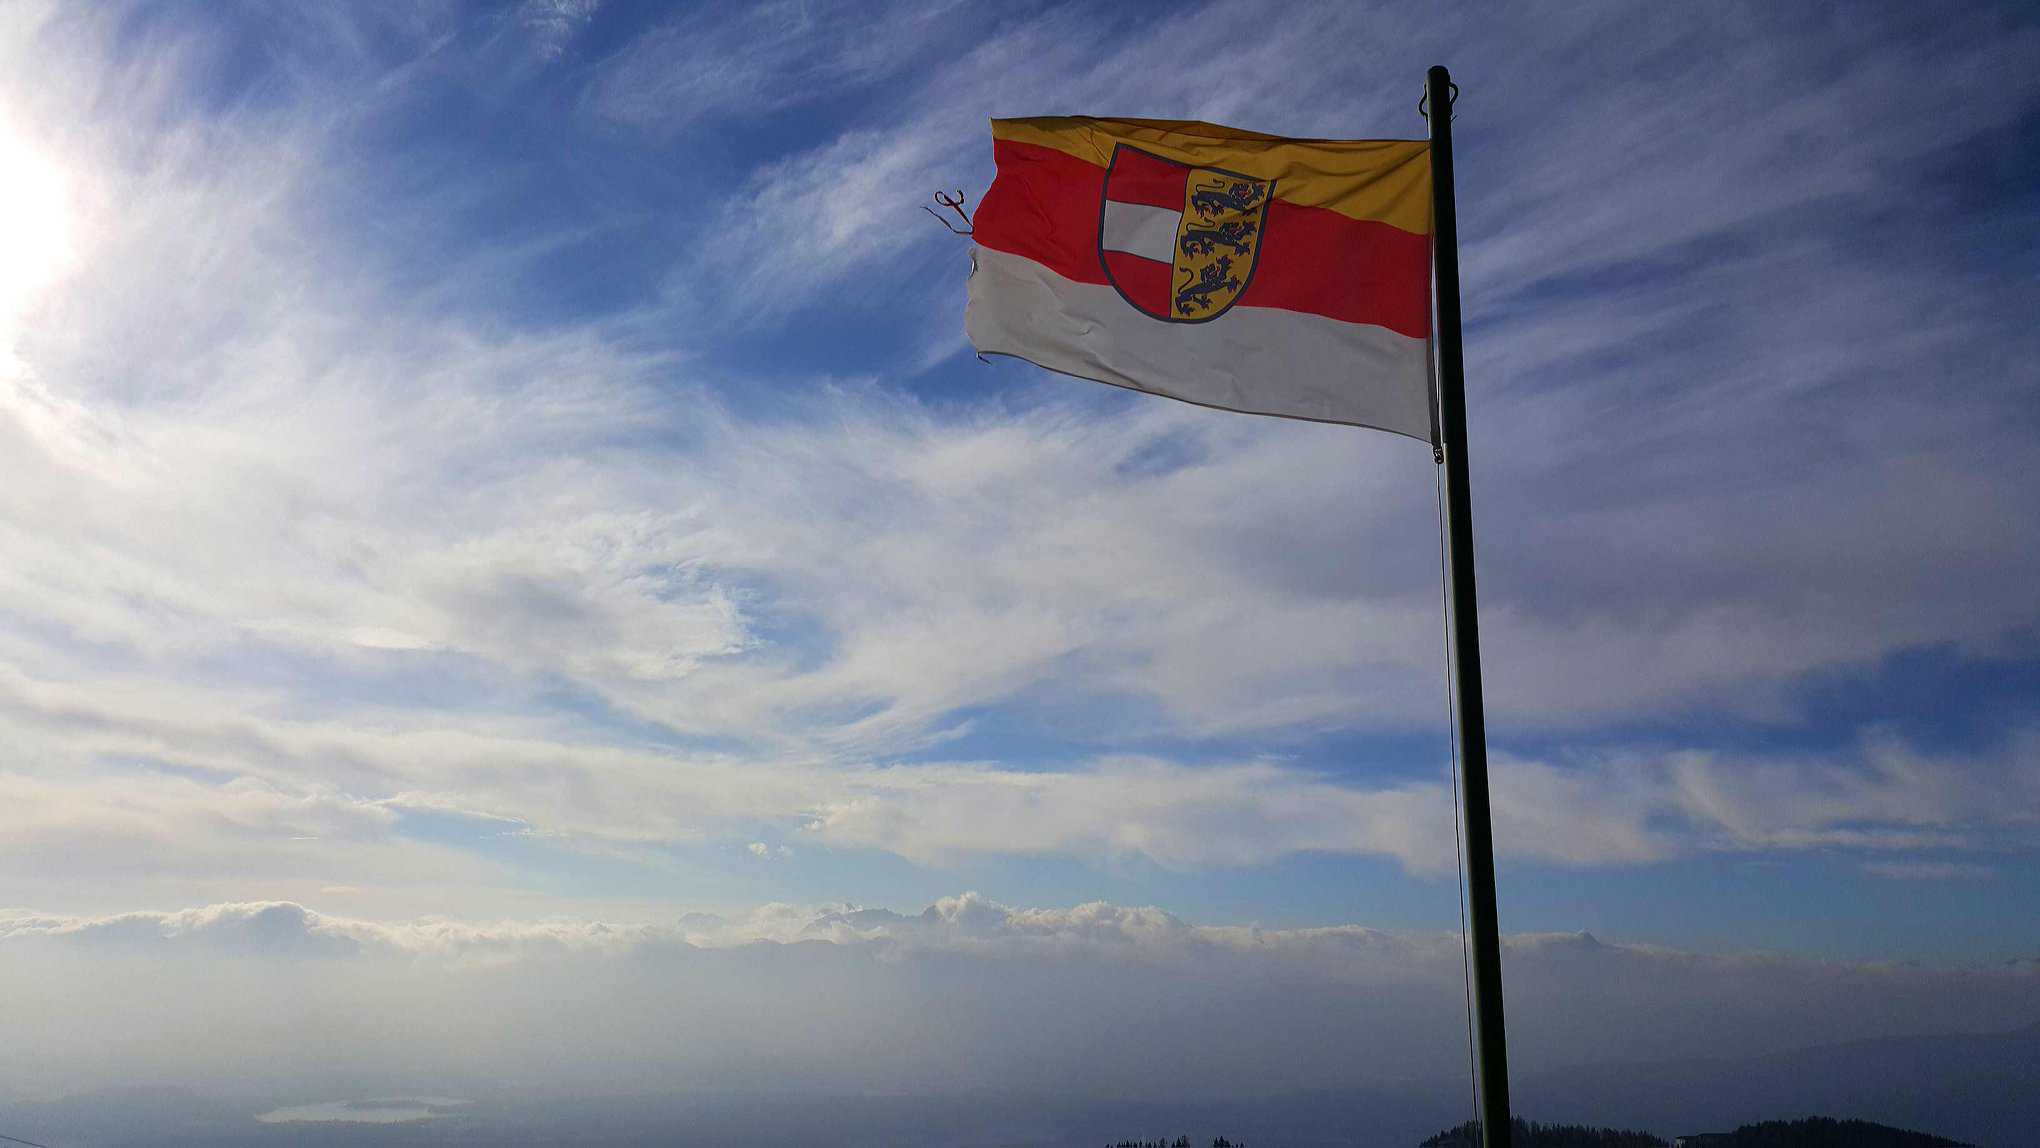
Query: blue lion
x,y
1214,278
1236,195
1236,234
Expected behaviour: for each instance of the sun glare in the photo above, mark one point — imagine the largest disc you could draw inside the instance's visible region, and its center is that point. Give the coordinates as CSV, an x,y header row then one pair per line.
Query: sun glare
x,y
35,223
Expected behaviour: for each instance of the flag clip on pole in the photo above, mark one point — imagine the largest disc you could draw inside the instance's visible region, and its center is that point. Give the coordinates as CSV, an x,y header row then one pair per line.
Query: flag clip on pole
x,y
1492,1075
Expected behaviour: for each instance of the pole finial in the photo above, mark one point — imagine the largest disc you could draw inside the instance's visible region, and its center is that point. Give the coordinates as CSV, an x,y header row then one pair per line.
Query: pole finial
x,y
1438,76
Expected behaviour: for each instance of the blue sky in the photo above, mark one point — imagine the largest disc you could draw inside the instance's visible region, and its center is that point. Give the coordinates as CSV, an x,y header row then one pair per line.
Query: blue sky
x,y
585,380
503,543
516,462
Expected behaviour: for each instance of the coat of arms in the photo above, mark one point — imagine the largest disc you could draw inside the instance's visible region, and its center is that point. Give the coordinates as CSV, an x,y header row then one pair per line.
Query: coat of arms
x,y
1179,242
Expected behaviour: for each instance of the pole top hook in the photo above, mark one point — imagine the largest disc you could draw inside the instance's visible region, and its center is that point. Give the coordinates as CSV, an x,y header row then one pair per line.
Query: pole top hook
x,y
1451,99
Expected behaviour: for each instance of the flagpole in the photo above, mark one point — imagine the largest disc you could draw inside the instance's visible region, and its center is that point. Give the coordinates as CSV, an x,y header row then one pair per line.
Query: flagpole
x,y
1492,1075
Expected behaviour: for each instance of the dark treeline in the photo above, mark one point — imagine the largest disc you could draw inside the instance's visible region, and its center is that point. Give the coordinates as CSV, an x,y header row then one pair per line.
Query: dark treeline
x,y
1812,1132
1178,1142
1530,1134
1826,1132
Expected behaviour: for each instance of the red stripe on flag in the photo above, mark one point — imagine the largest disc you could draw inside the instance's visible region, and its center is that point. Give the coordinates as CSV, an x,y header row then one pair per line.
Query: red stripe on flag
x,y
1137,177
1343,268
1144,280
1044,206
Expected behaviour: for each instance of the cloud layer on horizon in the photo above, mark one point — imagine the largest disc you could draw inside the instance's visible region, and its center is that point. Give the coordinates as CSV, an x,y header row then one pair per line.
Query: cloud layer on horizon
x,y
967,996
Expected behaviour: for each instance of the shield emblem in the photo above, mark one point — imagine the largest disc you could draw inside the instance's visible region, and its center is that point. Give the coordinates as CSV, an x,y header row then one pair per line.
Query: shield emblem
x,y
1178,242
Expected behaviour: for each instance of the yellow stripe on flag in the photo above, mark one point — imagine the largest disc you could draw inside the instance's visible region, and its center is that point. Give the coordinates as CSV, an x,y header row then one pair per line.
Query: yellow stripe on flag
x,y
1384,180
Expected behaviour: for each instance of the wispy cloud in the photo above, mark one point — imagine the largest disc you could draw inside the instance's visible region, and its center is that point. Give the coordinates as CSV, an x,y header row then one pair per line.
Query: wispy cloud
x,y
1929,870
756,59
553,23
296,805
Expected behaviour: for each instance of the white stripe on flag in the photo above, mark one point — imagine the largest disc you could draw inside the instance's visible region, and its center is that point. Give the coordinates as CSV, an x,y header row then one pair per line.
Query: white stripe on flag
x,y
1138,229
1262,360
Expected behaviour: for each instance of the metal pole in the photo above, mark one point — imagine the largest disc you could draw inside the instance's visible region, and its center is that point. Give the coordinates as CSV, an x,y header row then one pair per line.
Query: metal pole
x,y
1492,1052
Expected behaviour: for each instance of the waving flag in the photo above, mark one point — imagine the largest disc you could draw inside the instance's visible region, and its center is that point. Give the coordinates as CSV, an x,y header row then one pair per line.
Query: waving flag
x,y
1276,277
1227,268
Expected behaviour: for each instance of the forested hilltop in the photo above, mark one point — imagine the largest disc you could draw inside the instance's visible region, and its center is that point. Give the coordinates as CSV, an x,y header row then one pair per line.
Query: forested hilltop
x,y
1821,1132
1811,1132
1530,1134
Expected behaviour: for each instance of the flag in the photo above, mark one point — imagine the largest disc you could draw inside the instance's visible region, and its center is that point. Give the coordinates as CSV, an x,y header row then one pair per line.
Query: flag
x,y
1227,268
